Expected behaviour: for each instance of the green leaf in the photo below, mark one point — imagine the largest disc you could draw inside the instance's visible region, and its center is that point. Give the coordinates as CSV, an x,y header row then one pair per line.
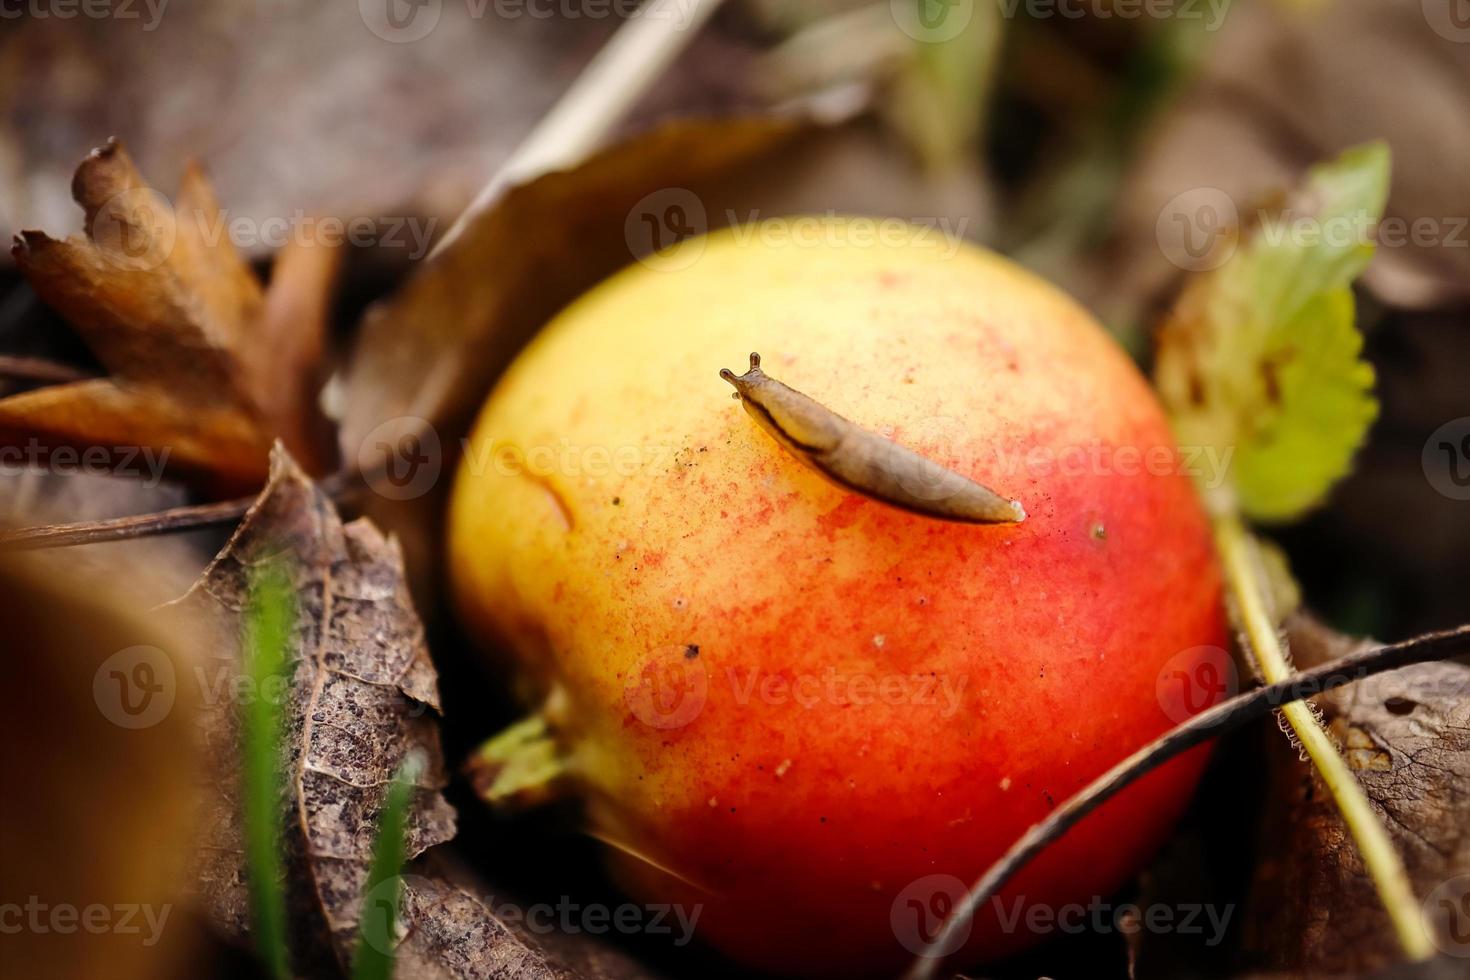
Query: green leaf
x,y
377,941
268,624
1261,359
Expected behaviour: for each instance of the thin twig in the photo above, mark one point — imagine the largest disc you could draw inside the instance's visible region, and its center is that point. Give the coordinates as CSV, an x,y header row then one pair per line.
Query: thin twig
x,y
192,517
170,521
40,370
1223,717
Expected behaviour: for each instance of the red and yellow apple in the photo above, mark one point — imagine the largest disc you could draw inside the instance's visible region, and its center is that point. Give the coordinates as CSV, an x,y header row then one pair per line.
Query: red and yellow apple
x,y
804,711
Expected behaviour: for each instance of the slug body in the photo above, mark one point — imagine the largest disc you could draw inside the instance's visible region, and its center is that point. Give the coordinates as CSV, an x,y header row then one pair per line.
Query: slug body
x,y
863,461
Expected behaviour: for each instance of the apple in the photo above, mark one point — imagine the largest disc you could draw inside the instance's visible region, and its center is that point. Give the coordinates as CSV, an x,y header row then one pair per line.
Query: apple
x,y
804,715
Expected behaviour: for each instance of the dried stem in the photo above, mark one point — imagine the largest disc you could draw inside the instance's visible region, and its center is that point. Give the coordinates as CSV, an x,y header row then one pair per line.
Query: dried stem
x,y
125,528
176,519
1247,586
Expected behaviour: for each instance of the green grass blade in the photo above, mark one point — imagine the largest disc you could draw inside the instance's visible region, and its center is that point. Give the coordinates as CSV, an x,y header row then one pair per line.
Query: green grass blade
x,y
269,620
377,942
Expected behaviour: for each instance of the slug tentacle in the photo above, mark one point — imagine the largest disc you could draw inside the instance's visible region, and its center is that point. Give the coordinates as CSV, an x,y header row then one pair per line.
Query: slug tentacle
x,y
863,461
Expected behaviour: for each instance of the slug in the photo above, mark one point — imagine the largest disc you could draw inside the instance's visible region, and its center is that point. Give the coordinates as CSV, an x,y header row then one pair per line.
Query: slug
x,y
863,461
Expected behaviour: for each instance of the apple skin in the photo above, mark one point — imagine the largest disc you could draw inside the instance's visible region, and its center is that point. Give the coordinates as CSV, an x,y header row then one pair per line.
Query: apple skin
x,y
755,662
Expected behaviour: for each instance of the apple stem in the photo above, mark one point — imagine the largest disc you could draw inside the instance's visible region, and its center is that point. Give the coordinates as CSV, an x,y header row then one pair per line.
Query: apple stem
x,y
521,766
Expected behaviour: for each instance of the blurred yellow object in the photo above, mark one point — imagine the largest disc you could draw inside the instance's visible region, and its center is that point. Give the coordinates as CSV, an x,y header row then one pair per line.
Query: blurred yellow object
x,y
97,761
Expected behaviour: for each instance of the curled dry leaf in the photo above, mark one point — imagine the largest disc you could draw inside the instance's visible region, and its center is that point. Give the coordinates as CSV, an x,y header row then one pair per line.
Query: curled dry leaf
x,y
1406,735
204,365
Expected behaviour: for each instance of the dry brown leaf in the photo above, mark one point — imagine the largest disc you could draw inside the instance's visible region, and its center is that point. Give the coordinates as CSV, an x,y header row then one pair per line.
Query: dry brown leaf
x,y
363,695
136,425
457,934
361,686
196,351
450,933
1406,734
289,353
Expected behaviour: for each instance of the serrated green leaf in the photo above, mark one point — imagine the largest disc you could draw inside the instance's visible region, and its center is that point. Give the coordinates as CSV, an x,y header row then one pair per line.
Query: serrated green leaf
x,y
1261,360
